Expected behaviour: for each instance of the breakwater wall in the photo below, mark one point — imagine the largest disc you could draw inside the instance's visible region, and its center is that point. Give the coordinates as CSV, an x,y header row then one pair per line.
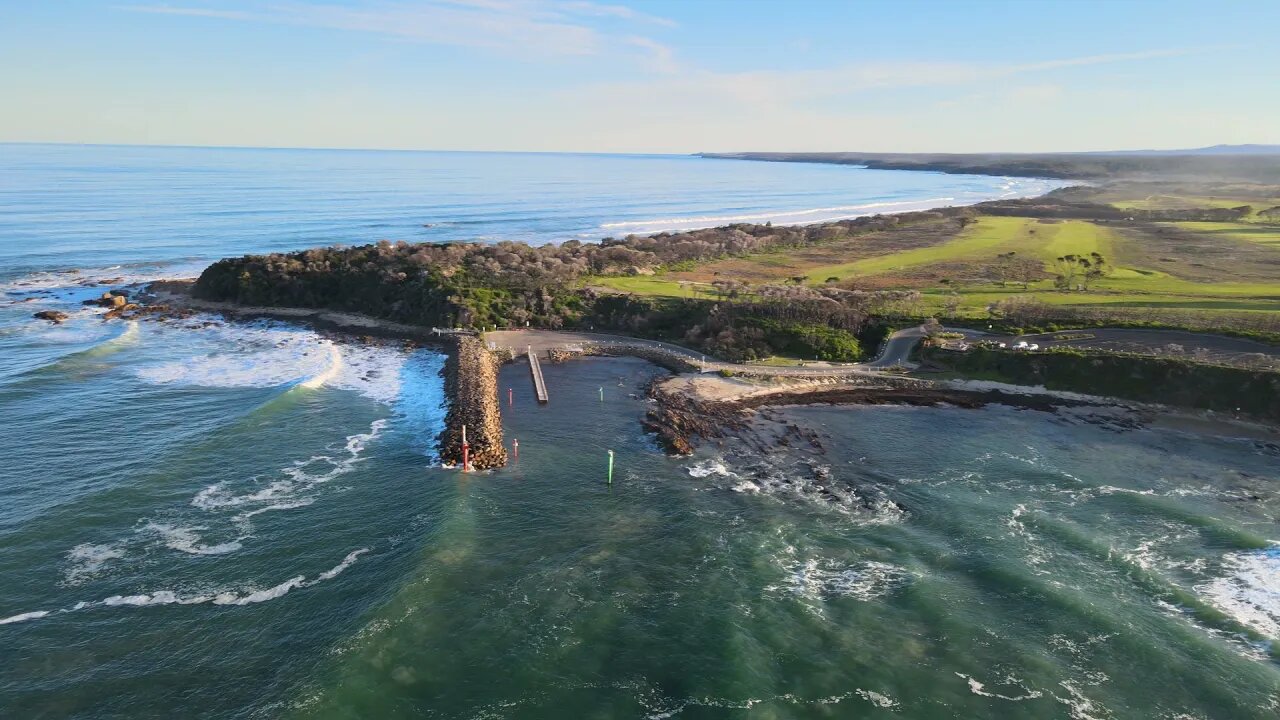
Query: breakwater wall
x,y
471,384
669,359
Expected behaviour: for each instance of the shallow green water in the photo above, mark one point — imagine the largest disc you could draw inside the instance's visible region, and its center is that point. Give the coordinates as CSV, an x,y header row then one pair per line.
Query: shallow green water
x,y
961,564
929,563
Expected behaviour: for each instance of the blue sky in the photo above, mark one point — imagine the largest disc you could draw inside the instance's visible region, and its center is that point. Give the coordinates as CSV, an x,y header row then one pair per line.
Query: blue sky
x,y
574,75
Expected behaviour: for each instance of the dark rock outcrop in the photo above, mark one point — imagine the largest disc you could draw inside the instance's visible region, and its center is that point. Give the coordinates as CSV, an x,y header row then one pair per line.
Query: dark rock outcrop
x,y
54,316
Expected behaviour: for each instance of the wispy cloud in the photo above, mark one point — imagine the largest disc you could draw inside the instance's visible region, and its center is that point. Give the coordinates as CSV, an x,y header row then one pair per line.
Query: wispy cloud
x,y
661,58
781,87
522,27
1108,59
616,11
190,12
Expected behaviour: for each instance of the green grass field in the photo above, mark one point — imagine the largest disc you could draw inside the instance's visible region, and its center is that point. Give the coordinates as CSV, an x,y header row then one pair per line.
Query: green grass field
x,y
958,268
1185,202
981,242
982,239
656,286
1263,234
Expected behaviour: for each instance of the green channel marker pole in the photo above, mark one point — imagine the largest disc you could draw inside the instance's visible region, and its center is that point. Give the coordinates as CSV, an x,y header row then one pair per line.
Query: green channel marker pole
x,y
610,467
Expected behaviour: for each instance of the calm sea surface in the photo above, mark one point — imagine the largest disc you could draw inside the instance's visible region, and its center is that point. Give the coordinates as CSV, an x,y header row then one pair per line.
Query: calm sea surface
x,y
215,520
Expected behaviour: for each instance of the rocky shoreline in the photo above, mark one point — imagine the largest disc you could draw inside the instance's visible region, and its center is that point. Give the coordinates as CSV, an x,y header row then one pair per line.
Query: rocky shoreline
x,y
471,385
681,417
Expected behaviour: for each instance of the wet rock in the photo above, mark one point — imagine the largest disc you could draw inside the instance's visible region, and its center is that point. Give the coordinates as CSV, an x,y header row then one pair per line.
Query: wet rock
x,y
677,419
112,299
54,316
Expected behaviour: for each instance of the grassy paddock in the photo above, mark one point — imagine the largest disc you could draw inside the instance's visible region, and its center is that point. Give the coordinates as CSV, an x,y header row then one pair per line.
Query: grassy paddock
x,y
1252,232
656,286
1209,268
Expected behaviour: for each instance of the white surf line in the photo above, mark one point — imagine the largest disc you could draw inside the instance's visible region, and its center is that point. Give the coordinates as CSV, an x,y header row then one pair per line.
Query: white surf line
x,y
244,596
329,373
768,215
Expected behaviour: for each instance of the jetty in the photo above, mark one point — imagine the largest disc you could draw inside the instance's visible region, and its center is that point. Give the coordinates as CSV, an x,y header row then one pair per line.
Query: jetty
x,y
535,368
471,381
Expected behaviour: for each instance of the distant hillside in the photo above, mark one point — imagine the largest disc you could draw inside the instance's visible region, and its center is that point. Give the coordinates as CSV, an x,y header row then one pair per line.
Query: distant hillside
x,y
1247,163
1211,150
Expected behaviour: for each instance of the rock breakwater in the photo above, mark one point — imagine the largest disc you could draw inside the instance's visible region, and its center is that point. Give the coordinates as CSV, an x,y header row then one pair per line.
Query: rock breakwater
x,y
471,383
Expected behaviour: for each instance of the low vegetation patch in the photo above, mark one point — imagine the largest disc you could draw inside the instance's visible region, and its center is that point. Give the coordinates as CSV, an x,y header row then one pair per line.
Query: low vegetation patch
x,y
1171,381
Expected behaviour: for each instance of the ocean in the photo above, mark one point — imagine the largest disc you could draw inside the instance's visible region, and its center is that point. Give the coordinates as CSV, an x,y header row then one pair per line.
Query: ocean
x,y
210,519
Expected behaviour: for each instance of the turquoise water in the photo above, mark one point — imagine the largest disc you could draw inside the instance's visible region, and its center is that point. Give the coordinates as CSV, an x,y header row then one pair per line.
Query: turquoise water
x,y
213,520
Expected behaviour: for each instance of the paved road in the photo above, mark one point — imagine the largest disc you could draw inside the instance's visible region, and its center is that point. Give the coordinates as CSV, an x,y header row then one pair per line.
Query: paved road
x,y
899,346
895,353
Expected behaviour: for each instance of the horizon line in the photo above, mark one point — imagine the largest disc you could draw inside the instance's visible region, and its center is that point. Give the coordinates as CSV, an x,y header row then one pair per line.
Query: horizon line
x,y
702,153
667,154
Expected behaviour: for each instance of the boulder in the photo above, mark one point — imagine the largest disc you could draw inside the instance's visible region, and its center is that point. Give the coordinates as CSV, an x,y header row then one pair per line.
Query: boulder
x,y
53,316
113,299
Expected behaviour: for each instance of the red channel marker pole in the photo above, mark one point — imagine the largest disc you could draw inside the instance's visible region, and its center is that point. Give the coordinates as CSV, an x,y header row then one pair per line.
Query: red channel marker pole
x,y
511,399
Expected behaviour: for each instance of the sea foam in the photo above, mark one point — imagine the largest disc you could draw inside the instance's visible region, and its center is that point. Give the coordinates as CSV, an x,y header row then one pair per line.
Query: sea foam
x,y
234,597
299,479
274,354
1250,591
87,560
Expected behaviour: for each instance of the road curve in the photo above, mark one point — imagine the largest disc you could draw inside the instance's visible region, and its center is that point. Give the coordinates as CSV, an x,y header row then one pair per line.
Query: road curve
x,y
895,353
897,348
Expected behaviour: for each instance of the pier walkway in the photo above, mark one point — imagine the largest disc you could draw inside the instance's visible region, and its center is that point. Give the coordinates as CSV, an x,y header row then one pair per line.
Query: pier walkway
x,y
539,385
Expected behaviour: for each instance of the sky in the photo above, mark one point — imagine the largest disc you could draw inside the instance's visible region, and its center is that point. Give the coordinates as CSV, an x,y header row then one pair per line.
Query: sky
x,y
663,76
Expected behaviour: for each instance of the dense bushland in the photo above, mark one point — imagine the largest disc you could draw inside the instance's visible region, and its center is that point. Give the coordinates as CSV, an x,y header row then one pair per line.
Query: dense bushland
x,y
1164,380
513,285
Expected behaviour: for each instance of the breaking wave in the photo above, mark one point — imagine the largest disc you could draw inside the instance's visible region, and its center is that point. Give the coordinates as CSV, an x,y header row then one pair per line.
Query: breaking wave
x,y
329,373
790,217
273,354
295,487
1250,591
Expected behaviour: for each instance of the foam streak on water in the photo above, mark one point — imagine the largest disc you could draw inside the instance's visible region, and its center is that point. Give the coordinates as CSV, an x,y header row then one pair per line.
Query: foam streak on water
x,y
239,596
